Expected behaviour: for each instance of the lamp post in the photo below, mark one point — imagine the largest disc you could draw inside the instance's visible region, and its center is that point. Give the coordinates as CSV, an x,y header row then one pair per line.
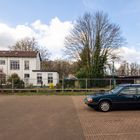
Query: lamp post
x,y
113,74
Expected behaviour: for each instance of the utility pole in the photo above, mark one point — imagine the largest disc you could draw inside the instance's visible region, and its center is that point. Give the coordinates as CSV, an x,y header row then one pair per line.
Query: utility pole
x,y
113,74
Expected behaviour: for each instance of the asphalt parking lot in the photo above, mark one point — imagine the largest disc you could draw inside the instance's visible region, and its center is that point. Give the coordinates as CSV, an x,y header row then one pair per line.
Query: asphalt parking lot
x,y
63,118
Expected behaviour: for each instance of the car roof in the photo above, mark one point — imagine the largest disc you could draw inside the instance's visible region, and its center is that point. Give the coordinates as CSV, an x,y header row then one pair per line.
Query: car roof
x,y
129,85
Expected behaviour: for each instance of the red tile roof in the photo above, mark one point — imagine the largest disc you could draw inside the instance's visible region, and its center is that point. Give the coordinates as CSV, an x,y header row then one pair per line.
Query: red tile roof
x,y
31,54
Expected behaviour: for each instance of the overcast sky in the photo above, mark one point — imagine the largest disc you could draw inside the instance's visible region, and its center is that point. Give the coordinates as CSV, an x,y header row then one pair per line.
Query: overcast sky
x,y
49,21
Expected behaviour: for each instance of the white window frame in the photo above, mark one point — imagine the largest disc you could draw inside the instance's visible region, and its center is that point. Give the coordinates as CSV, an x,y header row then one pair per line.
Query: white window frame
x,y
39,78
25,75
50,78
26,65
2,62
14,65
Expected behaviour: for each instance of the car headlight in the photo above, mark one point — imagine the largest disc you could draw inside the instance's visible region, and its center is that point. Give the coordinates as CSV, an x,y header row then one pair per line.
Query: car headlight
x,y
89,99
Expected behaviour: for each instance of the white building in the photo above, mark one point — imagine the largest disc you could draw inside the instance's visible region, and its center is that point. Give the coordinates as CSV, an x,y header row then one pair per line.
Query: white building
x,y
27,64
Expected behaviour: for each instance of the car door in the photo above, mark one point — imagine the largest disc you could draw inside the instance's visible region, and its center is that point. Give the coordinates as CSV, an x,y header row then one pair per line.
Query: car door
x,y
138,96
126,97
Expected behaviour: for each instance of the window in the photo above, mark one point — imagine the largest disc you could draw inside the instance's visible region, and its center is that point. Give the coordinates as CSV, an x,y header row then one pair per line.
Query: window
x,y
129,90
26,78
26,65
39,78
2,62
14,65
138,90
26,75
50,78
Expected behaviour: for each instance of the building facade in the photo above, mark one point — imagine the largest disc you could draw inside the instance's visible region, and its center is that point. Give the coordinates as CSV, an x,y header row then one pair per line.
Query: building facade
x,y
27,64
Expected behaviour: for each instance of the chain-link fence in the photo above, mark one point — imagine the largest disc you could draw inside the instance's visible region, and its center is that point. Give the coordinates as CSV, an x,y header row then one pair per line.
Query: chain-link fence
x,y
84,84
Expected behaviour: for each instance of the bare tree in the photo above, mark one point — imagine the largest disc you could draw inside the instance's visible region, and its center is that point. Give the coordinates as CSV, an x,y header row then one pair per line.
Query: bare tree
x,y
134,69
63,67
129,69
124,69
30,44
92,41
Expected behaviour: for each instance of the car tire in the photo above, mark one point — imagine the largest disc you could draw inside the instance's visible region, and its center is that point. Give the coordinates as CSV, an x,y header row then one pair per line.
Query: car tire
x,y
104,106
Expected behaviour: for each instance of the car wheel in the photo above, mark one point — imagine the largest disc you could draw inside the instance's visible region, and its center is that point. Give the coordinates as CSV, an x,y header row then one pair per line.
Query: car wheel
x,y
104,106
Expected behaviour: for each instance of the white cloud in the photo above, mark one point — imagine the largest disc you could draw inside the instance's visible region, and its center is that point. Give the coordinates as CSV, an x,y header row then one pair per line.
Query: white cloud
x,y
130,54
53,35
50,36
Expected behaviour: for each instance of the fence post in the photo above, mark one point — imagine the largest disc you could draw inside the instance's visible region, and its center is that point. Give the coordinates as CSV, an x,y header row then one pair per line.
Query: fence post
x,y
134,81
86,84
37,89
62,85
12,85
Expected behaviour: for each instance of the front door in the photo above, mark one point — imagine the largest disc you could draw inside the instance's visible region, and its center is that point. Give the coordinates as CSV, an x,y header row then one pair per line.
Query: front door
x,y
127,97
138,95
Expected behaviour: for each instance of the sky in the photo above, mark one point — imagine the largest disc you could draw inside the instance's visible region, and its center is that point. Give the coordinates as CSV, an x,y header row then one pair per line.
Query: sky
x,y
50,21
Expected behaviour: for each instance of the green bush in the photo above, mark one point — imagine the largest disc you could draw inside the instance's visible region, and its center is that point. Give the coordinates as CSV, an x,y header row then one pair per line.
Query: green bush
x,y
15,80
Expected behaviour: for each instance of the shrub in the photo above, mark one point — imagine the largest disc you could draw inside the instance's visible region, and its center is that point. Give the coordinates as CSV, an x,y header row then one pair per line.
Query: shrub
x,y
51,85
16,81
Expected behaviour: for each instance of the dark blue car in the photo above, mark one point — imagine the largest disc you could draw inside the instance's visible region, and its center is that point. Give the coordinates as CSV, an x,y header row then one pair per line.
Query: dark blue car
x,y
126,95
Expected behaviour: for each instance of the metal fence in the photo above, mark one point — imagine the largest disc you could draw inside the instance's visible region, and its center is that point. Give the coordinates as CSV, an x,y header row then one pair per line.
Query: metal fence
x,y
65,84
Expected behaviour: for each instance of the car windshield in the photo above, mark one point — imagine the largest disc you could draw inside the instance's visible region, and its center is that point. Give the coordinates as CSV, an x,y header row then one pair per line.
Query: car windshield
x,y
116,89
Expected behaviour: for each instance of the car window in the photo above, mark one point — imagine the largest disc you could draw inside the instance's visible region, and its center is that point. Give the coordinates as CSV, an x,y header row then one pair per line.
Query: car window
x,y
129,90
116,89
138,90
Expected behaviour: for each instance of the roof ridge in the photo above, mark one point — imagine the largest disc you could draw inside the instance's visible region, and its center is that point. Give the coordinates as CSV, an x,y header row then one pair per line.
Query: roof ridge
x,y
11,53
